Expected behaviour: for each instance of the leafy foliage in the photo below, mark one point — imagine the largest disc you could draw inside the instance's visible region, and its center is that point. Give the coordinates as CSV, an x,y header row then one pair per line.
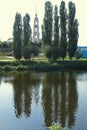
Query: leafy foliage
x,y
55,53
52,53
30,51
26,53
72,30
56,41
47,24
48,52
78,54
17,37
63,22
34,50
56,27
26,29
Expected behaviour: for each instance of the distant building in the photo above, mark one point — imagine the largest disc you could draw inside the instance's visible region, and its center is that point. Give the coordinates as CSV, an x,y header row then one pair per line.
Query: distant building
x,y
36,34
83,49
9,40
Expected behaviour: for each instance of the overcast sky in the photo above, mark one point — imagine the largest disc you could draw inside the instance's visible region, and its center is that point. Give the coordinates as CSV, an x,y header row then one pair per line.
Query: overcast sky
x,y
8,9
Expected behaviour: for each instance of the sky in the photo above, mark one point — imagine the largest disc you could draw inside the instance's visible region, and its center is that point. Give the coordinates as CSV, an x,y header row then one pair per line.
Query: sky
x,y
8,9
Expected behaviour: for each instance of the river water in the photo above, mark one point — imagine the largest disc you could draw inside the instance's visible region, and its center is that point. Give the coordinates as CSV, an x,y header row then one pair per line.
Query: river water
x,y
34,101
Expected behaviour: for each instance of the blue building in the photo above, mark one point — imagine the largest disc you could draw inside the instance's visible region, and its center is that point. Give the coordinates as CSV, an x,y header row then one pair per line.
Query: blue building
x,y
83,49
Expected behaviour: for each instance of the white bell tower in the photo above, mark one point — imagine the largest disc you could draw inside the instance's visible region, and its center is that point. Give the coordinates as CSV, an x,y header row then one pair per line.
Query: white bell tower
x,y
36,34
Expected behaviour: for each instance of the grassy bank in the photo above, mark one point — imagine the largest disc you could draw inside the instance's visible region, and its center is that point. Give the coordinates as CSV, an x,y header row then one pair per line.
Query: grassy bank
x,y
42,65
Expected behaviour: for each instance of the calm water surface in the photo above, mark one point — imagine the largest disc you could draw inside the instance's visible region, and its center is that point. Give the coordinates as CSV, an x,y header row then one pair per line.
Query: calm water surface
x,y
34,101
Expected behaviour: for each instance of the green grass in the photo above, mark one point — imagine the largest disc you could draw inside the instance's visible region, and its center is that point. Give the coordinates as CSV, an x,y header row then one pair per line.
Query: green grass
x,y
6,58
41,64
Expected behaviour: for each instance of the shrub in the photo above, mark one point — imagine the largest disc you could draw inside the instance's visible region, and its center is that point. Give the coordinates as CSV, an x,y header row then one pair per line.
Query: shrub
x,y
78,54
7,68
21,68
1,68
26,53
56,127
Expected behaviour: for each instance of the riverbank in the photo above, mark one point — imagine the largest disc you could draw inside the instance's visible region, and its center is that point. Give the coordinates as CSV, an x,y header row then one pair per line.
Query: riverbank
x,y
42,65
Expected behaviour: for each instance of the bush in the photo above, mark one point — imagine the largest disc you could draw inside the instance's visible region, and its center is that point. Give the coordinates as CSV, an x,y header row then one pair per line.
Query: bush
x,y
1,68
47,51
78,54
52,53
34,50
55,53
7,68
21,68
56,127
26,53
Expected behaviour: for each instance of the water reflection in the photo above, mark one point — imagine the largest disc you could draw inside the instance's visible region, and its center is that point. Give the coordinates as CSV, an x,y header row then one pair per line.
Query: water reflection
x,y
60,98
72,100
23,89
58,92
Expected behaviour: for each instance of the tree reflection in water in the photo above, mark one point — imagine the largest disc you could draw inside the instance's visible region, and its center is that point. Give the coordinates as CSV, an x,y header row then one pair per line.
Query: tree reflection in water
x,y
59,96
23,86
72,99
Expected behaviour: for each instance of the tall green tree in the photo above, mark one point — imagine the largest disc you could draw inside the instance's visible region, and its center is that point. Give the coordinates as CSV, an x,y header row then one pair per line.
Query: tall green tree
x,y
56,27
47,24
17,36
26,30
63,30
72,30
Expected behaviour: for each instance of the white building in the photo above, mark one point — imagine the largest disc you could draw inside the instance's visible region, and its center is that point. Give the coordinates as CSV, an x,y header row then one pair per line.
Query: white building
x,y
36,34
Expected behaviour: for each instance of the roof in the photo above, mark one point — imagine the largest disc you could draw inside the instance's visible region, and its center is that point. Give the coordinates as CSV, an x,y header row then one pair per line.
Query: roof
x,y
83,47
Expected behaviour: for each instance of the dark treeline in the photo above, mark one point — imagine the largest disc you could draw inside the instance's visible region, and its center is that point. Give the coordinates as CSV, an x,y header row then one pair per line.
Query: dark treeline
x,y
59,33
22,45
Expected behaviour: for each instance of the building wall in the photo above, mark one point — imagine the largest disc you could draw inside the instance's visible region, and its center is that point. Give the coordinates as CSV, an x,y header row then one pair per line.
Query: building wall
x,y
36,34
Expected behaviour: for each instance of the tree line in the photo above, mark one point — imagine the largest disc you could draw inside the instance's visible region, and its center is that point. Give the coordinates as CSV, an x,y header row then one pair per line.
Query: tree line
x,y
59,33
22,45
60,30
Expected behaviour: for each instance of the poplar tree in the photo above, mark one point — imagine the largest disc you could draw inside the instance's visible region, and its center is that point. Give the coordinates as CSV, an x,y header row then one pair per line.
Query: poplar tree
x,y
26,29
72,30
17,37
47,24
56,27
63,30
